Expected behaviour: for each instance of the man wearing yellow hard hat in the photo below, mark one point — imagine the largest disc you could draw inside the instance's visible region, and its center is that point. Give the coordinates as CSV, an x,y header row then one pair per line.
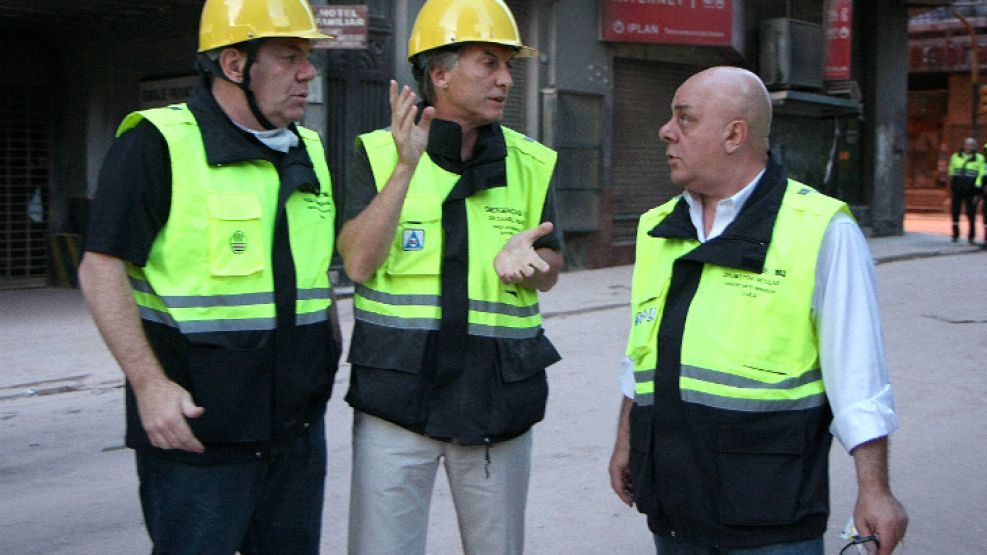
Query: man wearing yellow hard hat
x,y
449,235
206,273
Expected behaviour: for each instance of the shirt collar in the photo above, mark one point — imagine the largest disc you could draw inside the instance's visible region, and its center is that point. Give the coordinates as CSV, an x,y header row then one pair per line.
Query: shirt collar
x,y
726,209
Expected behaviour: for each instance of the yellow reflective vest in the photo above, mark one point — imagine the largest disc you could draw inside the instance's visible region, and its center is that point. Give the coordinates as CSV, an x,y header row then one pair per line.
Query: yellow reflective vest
x,y
209,269
405,292
771,361
488,383
729,427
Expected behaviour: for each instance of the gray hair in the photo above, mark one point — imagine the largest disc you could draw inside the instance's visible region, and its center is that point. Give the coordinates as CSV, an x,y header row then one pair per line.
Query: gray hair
x,y
446,58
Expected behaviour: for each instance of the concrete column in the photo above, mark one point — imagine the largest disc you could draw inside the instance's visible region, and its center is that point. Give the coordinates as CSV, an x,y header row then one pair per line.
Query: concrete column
x,y
886,112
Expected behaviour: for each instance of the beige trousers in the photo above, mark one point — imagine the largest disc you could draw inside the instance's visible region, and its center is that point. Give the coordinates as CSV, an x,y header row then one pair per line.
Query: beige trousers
x,y
391,491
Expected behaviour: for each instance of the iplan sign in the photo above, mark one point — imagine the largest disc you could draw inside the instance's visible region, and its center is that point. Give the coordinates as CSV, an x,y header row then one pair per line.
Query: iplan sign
x,y
705,22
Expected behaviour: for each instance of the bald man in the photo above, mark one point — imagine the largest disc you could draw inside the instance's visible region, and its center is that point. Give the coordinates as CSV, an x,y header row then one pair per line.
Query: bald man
x,y
755,335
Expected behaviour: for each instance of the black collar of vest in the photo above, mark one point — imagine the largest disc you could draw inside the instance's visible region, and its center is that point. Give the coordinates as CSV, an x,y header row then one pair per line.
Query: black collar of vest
x,y
225,143
744,243
485,170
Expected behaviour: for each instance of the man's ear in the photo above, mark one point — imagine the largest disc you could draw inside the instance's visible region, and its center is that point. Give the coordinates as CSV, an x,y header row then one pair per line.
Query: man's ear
x,y
736,135
439,77
231,61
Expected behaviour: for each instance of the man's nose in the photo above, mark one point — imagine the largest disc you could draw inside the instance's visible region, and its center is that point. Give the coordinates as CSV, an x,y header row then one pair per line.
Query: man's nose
x,y
504,78
665,133
308,71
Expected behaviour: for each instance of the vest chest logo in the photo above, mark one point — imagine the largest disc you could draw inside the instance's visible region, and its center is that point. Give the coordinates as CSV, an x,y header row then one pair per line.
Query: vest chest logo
x,y
505,219
646,315
238,242
755,285
321,203
413,239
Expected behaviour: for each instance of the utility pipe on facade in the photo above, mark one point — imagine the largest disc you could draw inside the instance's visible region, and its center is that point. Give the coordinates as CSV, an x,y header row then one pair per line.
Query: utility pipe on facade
x,y
974,73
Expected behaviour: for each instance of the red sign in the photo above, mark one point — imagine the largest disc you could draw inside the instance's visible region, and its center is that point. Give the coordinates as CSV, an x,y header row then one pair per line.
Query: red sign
x,y
707,22
348,24
839,22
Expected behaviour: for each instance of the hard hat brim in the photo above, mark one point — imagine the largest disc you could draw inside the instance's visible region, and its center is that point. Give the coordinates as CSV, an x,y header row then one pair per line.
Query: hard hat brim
x,y
519,51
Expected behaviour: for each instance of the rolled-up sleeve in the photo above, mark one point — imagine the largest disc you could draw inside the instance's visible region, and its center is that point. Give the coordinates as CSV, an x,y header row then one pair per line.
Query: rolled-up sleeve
x,y
625,380
851,340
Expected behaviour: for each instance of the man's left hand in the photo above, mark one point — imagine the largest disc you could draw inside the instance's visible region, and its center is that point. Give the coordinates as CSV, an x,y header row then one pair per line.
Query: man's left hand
x,y
880,513
517,260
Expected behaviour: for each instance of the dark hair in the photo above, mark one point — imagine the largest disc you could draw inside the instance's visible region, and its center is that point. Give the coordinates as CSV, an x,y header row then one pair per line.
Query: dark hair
x,y
445,57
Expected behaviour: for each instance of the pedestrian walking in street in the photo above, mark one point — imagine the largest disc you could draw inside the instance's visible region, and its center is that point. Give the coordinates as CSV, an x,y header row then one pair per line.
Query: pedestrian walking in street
x,y
965,168
206,271
449,233
755,335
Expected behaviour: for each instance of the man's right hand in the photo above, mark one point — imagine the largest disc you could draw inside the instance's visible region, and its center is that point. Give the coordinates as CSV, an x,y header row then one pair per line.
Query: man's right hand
x,y
620,473
409,138
163,406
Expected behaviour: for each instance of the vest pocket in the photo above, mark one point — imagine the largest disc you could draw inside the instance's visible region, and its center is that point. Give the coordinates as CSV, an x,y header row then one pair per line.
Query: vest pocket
x,y
417,247
234,388
760,464
236,238
642,460
522,388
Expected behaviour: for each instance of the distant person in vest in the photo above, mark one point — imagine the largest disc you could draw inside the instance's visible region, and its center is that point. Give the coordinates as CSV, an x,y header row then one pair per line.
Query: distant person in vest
x,y
449,234
755,335
206,273
965,167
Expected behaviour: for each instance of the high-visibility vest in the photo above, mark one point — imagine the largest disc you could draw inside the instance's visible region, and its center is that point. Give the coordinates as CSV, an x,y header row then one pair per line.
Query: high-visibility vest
x,y
966,165
405,291
749,343
209,269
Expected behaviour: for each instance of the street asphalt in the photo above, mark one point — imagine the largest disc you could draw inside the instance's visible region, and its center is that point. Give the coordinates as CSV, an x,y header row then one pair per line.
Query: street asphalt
x,y
68,486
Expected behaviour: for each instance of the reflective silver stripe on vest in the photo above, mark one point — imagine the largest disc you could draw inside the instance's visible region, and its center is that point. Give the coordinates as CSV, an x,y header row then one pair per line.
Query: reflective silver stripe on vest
x,y
203,301
752,405
502,332
504,308
208,326
644,376
242,299
311,317
317,293
732,380
644,399
430,324
393,299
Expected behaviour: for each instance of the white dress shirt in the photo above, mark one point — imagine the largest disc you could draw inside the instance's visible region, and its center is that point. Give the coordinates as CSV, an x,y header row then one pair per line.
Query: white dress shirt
x,y
847,318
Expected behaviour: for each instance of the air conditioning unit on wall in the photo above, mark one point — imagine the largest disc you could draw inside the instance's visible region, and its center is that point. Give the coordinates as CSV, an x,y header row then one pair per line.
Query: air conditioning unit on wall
x,y
791,54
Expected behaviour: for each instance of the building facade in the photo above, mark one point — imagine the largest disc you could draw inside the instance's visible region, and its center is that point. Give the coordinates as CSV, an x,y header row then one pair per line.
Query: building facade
x,y
944,104
598,93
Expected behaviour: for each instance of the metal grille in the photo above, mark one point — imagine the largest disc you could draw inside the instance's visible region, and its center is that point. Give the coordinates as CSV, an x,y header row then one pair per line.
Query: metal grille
x,y
639,173
24,179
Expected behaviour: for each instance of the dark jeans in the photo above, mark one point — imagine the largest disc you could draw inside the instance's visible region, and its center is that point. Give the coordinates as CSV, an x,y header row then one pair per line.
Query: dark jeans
x,y
675,546
269,505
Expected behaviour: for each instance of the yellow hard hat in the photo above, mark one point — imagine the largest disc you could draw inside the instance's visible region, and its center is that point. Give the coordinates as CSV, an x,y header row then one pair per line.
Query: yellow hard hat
x,y
226,22
444,22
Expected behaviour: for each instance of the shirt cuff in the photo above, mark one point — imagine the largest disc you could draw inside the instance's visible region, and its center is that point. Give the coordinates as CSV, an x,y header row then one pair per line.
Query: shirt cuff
x,y
866,420
626,378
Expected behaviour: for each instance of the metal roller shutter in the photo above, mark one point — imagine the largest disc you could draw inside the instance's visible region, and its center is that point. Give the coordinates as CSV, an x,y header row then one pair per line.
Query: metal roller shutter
x,y
643,94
